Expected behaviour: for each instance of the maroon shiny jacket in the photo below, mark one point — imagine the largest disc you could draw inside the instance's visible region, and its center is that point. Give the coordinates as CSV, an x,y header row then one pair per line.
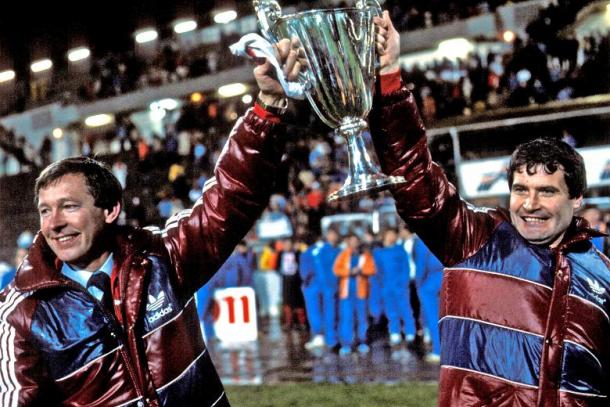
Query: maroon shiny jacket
x,y
521,325
58,346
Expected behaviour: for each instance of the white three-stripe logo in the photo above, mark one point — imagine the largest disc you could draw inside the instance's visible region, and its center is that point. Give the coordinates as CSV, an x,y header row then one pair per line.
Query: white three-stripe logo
x,y
155,303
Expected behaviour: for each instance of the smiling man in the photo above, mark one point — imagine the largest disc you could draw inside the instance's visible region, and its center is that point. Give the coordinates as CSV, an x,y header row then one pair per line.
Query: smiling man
x,y
71,223
103,315
525,300
547,180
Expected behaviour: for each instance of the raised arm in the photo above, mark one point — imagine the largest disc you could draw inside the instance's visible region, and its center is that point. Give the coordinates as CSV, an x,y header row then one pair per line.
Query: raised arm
x,y
451,228
199,240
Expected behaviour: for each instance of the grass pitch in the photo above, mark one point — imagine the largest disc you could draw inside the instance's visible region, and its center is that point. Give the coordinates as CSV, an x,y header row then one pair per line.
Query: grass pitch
x,y
309,394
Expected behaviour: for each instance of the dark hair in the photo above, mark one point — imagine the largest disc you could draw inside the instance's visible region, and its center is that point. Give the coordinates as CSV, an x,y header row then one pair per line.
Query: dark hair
x,y
101,182
552,155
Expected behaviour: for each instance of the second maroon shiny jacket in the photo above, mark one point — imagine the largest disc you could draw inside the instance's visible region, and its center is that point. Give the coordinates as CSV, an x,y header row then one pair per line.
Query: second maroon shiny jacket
x,y
521,325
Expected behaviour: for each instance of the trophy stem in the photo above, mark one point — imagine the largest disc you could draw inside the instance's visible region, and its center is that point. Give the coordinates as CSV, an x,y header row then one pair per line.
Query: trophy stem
x,y
364,173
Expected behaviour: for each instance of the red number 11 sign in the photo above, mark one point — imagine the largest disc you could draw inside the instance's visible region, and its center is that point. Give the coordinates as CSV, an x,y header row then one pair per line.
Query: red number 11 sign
x,y
235,315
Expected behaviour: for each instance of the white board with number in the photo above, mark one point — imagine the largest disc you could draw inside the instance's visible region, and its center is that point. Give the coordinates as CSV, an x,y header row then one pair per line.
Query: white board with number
x,y
235,315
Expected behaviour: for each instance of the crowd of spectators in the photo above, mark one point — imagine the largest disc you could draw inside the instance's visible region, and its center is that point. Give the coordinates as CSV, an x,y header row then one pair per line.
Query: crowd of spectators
x,y
17,146
526,74
185,154
119,73
416,14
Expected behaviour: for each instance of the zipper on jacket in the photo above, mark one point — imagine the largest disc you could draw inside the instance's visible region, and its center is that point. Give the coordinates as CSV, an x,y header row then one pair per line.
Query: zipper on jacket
x,y
117,332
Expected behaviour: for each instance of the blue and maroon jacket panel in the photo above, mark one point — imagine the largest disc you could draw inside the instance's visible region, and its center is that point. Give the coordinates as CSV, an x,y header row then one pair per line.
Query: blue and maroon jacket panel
x,y
496,306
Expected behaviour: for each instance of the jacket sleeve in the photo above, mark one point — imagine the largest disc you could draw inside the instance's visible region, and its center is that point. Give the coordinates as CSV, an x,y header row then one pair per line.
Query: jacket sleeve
x,y
427,201
200,239
341,268
24,380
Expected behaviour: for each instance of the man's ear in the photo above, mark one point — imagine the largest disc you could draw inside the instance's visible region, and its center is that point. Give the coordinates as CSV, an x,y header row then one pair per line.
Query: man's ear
x,y
110,215
577,202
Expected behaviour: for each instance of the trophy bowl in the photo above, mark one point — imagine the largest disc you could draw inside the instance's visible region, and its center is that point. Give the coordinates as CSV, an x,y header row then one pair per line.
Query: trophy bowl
x,y
339,48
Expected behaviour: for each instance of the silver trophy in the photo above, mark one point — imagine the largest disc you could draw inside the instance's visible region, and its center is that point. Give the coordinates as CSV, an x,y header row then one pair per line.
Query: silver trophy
x,y
339,45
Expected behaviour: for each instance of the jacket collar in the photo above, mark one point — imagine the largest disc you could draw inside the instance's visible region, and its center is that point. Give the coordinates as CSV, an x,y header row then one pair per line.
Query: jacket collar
x,y
41,268
578,232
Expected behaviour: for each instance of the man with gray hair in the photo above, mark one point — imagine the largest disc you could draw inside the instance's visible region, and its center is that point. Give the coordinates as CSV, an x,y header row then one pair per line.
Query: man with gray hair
x,y
102,314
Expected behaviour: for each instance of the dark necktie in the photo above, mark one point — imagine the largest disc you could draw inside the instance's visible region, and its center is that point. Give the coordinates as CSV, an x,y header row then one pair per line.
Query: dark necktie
x,y
101,281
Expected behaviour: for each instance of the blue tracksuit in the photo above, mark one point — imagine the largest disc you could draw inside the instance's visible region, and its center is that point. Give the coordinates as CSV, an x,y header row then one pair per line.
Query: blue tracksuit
x,y
313,288
428,278
393,274
324,260
375,301
235,272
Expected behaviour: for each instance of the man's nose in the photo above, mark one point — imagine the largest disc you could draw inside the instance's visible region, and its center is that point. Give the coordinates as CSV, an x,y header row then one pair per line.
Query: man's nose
x,y
531,202
56,220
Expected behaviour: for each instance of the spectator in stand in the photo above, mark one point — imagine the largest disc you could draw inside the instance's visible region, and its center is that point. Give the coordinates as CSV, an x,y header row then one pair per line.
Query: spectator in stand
x,y
275,223
165,206
200,156
143,148
195,191
46,150
523,94
353,267
177,205
119,169
171,144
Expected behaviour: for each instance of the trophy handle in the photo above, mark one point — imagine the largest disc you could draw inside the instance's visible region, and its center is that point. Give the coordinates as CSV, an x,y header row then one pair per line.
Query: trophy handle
x,y
374,4
268,13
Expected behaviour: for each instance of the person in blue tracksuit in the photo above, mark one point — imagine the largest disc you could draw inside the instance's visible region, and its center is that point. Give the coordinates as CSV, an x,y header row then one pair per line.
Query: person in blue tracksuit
x,y
428,279
375,300
393,273
312,286
323,262
246,279
235,272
